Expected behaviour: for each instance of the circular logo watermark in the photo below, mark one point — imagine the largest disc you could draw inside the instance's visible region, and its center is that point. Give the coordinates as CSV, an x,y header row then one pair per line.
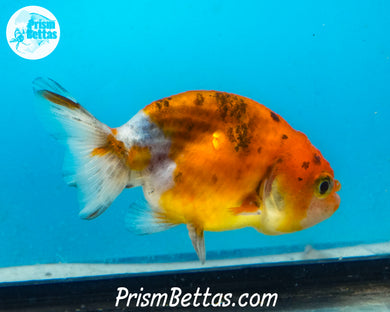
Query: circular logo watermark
x,y
33,32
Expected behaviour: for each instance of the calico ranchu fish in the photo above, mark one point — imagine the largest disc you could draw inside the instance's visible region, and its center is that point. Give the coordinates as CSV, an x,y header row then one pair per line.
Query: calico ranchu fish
x,y
212,160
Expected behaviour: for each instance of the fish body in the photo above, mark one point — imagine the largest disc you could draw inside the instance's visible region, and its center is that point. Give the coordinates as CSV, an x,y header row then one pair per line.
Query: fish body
x,y
212,160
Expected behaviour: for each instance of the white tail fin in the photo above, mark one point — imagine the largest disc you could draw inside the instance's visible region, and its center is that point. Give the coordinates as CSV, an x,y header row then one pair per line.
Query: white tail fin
x,y
99,175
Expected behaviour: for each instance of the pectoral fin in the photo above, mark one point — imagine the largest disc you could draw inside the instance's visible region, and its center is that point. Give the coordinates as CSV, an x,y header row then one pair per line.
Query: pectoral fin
x,y
143,219
197,239
250,206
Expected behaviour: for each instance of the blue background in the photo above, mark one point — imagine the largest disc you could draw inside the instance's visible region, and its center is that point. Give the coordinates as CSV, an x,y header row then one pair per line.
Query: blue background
x,y
323,65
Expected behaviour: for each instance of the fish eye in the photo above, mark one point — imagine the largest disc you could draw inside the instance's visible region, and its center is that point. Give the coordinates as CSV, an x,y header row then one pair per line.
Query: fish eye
x,y
323,186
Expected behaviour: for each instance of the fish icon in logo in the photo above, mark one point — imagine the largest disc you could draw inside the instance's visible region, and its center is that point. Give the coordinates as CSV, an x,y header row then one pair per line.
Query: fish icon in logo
x,y
19,38
20,30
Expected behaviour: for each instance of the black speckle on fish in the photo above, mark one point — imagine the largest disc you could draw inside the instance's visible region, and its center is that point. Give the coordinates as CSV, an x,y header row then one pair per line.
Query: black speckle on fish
x,y
230,135
317,159
178,177
275,117
199,99
230,108
242,136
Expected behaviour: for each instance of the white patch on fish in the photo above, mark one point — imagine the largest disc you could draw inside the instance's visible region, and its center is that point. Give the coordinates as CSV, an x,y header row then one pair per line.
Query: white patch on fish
x,y
158,176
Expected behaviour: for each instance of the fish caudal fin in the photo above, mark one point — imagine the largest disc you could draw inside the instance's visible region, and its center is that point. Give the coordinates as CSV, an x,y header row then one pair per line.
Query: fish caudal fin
x,y
100,175
142,219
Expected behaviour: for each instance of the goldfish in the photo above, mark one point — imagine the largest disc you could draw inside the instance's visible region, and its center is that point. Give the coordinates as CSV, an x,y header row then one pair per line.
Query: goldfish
x,y
211,160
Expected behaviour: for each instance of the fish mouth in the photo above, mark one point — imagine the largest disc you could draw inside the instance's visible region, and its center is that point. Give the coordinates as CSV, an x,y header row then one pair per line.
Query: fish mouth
x,y
322,209
337,185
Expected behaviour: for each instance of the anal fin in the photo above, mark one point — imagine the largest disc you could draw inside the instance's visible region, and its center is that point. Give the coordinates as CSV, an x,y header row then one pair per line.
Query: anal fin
x,y
197,238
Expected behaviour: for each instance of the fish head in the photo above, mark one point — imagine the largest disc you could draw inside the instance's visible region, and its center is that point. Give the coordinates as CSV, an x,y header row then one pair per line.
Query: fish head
x,y
296,195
